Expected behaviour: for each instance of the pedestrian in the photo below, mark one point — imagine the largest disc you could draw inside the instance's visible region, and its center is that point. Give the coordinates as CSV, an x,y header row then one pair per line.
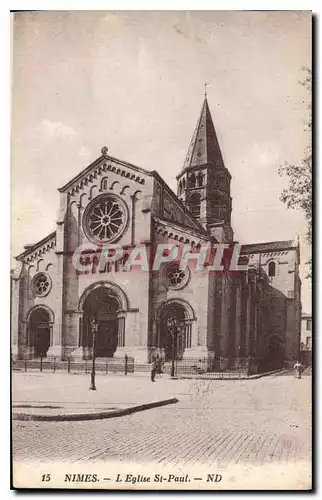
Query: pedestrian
x,y
249,365
153,369
200,369
159,365
298,367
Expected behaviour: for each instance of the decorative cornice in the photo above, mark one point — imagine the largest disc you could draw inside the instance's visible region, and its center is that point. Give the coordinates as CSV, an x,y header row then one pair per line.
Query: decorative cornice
x,y
102,164
181,234
38,249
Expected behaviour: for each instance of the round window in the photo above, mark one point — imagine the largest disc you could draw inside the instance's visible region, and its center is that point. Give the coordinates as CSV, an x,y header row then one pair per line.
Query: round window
x,y
41,284
176,278
105,218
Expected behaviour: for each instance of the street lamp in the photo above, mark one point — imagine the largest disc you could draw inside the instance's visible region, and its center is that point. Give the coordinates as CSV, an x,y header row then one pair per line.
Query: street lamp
x,y
94,327
173,328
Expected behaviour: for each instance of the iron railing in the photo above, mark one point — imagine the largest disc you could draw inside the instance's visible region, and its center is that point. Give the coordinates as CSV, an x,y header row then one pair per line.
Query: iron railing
x,y
52,364
216,368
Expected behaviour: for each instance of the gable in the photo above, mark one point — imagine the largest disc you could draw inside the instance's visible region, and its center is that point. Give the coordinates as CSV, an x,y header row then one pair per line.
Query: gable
x,y
38,250
101,165
158,197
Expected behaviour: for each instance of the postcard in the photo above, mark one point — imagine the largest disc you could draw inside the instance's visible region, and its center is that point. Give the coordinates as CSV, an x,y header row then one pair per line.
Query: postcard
x,y
161,320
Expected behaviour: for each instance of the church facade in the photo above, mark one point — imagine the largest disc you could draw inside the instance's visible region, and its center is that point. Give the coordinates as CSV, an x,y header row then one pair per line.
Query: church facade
x,y
60,286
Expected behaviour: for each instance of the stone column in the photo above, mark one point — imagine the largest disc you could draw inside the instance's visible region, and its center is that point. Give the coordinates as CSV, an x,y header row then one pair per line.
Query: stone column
x,y
25,349
14,316
121,337
72,344
238,319
154,344
196,350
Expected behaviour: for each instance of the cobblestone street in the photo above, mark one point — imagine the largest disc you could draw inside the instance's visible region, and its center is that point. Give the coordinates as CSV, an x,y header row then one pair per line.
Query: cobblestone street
x,y
222,422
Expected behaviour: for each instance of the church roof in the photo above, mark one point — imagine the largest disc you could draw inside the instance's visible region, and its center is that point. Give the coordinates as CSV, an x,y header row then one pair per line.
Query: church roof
x,y
269,246
193,233
204,146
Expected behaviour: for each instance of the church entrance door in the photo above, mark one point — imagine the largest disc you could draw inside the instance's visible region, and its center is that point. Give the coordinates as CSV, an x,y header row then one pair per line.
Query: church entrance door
x,y
103,306
39,331
173,331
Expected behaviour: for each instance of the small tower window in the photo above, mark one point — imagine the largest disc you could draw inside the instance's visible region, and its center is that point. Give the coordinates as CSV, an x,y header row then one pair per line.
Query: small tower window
x,y
194,204
180,187
192,180
183,183
271,269
200,179
217,201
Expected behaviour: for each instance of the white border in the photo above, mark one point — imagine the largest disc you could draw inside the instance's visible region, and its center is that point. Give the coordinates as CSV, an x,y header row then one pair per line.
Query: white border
x,y
315,6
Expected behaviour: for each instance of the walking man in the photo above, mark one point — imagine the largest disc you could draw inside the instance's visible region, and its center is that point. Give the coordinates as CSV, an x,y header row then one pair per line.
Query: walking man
x,y
298,367
153,369
159,365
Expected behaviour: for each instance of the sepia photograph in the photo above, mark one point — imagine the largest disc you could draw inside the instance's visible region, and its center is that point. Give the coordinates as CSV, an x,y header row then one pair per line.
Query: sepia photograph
x,y
161,229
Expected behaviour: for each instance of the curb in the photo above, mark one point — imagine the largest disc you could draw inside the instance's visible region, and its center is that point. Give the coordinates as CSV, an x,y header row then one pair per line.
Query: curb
x,y
260,375
93,416
244,377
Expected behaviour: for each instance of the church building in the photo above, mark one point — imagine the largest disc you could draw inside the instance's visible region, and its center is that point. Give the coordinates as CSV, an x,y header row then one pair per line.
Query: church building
x,y
223,315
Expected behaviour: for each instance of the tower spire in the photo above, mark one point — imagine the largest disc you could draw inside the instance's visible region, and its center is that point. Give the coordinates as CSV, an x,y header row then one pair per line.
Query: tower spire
x,y
204,146
204,181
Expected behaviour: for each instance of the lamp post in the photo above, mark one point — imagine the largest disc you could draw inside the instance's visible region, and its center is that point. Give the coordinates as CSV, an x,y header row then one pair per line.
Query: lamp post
x,y
94,327
173,328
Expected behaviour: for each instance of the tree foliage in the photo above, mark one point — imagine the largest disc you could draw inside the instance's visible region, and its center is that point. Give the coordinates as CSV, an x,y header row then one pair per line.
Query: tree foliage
x,y
298,194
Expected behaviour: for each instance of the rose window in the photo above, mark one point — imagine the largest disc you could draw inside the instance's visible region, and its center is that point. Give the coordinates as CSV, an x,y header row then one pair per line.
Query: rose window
x,y
41,284
105,218
176,278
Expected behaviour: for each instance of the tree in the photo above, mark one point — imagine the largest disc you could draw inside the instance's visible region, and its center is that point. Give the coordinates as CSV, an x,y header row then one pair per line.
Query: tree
x,y
298,195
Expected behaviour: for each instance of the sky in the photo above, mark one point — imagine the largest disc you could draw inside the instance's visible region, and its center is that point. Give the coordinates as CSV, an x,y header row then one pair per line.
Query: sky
x,y
134,81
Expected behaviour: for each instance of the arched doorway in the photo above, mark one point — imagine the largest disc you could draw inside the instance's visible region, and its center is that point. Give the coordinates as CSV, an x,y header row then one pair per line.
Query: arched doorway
x,y
276,352
104,306
272,354
40,326
174,329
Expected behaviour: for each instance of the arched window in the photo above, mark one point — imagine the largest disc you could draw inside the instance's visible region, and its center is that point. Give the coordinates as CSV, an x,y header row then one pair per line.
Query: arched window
x,y
220,181
217,200
200,179
194,204
104,184
272,269
192,180
183,183
180,187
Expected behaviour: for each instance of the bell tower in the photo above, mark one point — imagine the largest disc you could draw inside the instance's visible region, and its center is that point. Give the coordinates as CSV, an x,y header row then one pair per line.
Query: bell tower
x,y
203,184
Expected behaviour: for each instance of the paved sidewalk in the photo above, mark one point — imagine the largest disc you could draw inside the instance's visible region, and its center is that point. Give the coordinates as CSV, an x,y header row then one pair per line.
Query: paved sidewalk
x,y
62,396
215,423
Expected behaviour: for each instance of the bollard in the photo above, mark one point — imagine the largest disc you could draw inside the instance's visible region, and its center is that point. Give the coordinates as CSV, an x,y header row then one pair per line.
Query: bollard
x,y
54,364
86,365
25,364
41,363
126,361
106,366
68,364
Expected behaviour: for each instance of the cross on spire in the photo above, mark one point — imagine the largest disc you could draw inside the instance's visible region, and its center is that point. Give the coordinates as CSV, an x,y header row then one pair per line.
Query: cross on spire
x,y
206,85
